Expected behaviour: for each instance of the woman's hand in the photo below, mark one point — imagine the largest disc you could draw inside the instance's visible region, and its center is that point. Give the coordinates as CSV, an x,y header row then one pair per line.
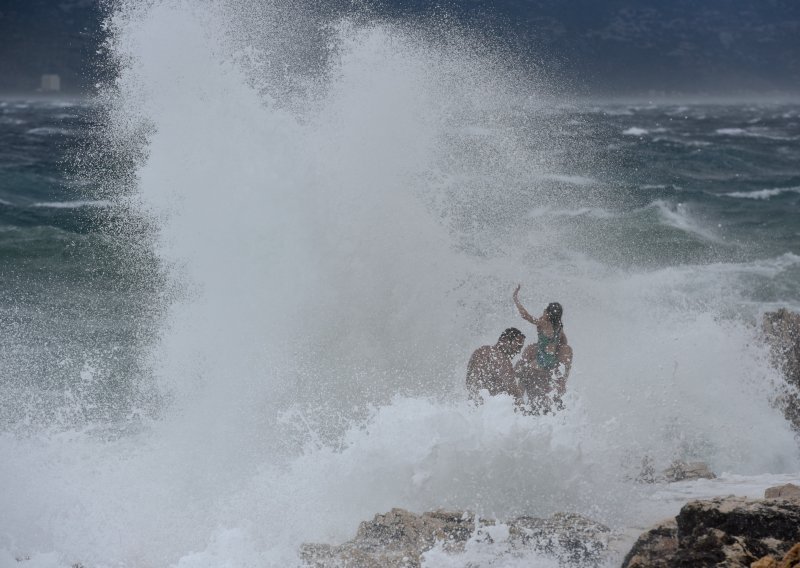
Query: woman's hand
x,y
522,311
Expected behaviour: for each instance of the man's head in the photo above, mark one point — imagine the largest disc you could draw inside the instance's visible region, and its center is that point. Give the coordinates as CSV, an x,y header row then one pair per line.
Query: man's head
x,y
511,341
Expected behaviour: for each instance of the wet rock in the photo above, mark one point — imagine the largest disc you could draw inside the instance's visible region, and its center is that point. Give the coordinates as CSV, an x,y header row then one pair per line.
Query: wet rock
x,y
682,471
791,560
655,548
572,539
731,532
782,332
789,491
399,539
396,539
678,471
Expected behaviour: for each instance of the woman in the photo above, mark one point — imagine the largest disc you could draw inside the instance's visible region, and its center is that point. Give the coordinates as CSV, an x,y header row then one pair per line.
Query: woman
x,y
544,366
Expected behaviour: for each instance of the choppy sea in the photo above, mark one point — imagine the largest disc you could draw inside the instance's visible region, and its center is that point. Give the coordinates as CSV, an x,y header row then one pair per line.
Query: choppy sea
x,y
237,303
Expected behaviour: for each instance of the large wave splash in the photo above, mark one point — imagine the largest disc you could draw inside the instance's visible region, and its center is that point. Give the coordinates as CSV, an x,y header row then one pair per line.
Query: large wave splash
x,y
345,209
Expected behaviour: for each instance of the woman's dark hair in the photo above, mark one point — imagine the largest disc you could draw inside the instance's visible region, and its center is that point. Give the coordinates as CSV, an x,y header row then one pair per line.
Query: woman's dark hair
x,y
554,311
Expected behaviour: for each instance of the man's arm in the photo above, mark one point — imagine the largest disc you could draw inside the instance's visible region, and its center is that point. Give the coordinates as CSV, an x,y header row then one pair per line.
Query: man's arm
x,y
475,372
510,384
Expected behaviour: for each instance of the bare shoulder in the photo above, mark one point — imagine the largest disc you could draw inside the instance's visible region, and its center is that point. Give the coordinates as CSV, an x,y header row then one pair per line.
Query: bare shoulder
x,y
481,353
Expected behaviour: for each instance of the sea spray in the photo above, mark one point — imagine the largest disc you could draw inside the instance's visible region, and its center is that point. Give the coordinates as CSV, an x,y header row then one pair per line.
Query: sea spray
x,y
344,224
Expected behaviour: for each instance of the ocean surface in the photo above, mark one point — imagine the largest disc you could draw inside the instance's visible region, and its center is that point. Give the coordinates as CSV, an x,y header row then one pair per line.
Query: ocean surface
x,y
238,299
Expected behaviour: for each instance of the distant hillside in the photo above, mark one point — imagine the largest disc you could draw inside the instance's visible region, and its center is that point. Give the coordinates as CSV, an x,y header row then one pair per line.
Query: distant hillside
x,y
613,45
48,36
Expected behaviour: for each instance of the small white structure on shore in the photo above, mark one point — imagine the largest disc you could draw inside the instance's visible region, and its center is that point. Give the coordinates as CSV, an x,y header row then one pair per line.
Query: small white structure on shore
x,y
51,82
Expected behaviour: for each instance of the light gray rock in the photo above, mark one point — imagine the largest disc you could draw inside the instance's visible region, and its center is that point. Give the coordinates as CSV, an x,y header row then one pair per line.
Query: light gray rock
x,y
399,539
682,471
789,491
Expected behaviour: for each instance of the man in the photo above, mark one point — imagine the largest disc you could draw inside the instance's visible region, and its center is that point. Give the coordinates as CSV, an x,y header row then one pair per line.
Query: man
x,y
490,366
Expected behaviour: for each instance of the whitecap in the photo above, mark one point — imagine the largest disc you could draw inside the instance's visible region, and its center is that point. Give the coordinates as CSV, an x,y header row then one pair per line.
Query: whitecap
x,y
754,132
72,204
635,131
731,131
48,131
679,217
694,143
763,193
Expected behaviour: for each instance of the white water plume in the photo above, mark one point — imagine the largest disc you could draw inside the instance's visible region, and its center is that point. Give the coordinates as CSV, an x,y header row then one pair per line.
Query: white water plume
x,y
344,240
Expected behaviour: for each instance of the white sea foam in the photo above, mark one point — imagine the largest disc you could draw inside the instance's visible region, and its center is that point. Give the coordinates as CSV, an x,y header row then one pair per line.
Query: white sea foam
x,y
731,131
763,193
312,367
72,204
683,141
49,131
635,131
680,216
754,132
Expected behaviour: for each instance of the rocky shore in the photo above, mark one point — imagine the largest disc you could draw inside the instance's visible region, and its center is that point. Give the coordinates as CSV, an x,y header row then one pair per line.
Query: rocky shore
x,y
726,532
401,539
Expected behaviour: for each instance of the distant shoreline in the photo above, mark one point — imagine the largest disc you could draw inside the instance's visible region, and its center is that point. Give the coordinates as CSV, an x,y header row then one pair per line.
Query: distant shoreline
x,y
576,99
39,96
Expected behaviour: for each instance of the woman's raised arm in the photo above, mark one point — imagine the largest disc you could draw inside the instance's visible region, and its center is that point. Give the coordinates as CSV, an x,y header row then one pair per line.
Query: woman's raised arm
x,y
521,309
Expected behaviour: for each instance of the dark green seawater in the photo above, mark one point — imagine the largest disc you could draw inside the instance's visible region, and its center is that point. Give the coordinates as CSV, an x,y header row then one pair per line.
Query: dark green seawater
x,y
75,308
668,185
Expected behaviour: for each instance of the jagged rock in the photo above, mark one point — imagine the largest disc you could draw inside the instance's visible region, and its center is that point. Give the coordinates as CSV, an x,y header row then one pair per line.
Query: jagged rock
x,y
654,548
399,539
571,538
789,491
678,471
791,560
730,532
396,539
681,471
782,331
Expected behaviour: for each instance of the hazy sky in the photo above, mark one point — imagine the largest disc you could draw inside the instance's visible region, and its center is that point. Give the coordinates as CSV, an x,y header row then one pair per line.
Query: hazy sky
x,y
596,46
